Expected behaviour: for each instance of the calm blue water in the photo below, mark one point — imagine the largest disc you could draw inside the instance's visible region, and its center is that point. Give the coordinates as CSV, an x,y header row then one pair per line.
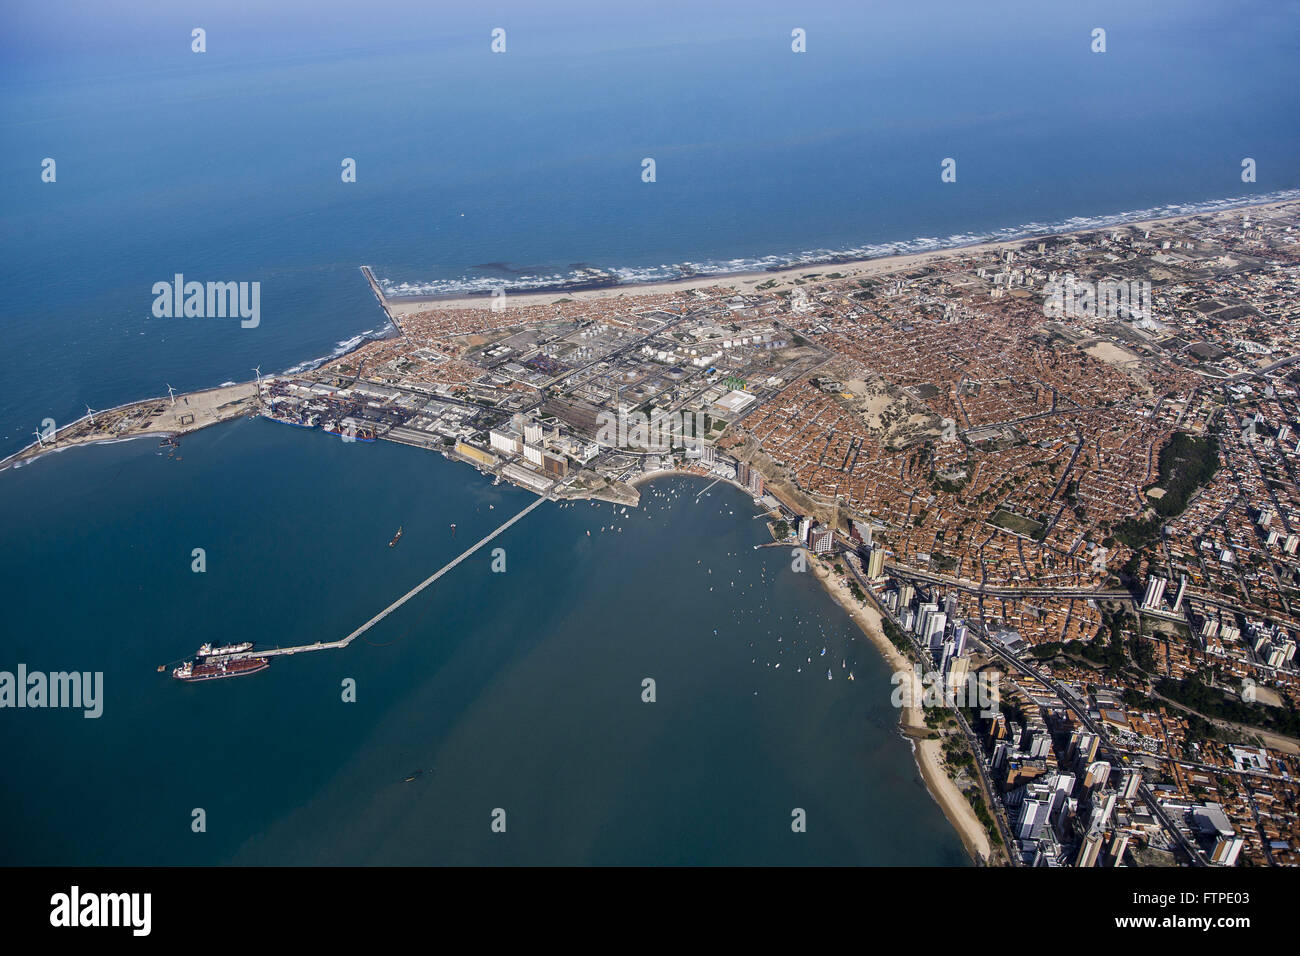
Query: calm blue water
x,y
518,690
225,165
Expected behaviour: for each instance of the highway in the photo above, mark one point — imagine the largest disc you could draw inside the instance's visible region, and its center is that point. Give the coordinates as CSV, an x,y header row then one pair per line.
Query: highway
x,y
991,799
1107,748
1192,851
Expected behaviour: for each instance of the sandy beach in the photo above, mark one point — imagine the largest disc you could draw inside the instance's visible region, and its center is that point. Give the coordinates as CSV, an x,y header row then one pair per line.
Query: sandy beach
x,y
929,756
748,281
926,750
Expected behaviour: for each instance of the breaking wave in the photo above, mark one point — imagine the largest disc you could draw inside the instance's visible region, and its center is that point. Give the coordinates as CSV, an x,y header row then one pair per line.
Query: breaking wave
x,y
343,348
634,275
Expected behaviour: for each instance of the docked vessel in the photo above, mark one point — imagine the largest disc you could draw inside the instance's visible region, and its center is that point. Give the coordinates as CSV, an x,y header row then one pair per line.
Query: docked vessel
x,y
222,667
207,650
356,433
396,538
308,422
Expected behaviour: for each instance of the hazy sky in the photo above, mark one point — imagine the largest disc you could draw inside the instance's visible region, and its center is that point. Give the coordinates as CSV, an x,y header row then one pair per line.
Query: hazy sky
x,y
39,31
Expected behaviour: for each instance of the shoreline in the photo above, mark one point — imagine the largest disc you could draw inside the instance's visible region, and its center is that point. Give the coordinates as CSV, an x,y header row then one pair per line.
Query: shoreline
x,y
925,750
397,308
846,269
158,417
243,397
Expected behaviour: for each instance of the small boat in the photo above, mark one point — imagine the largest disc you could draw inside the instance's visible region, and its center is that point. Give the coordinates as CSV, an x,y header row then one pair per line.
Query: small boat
x,y
828,673
413,776
161,668
453,529
396,538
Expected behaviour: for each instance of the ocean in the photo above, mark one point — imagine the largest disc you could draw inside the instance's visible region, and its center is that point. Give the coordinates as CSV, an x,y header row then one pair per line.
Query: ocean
x,y
476,169
520,690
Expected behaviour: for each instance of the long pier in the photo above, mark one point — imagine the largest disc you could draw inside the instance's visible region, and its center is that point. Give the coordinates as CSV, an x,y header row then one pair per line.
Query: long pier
x,y
379,294
331,645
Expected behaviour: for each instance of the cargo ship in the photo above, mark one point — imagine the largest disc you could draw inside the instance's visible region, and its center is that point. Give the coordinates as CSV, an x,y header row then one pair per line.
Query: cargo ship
x,y
207,650
310,421
214,670
396,538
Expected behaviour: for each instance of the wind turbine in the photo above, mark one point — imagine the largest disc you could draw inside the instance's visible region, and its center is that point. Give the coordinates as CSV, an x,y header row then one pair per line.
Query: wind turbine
x,y
39,439
171,393
91,412
258,372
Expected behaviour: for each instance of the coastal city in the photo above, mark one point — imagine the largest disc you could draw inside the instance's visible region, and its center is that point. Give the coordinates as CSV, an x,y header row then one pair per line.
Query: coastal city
x,y
1063,468
1091,494
585,437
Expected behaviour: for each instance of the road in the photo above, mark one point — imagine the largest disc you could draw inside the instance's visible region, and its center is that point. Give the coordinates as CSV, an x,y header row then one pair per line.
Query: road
x,y
1107,749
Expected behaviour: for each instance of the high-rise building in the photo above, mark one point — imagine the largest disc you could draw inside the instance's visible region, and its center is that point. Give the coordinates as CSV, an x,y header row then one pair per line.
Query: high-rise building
x,y
934,627
876,564
1096,774
1090,848
557,466
1155,592
1182,590
1083,747
955,671
1032,819
1103,808
923,616
1117,847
